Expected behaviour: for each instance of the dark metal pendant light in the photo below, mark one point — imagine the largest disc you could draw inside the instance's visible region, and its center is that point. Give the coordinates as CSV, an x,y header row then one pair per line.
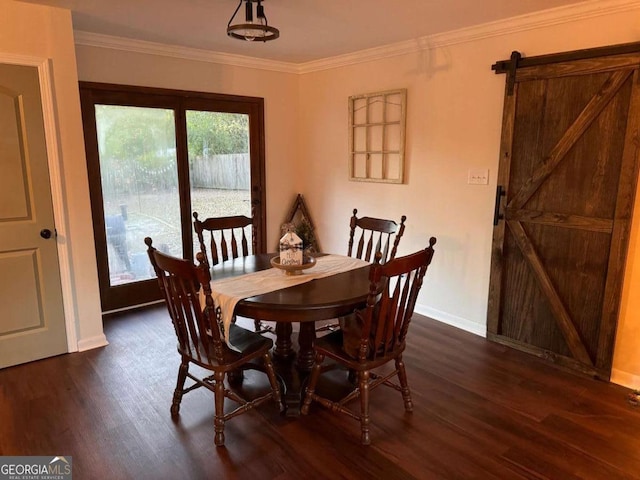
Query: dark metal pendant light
x,y
252,30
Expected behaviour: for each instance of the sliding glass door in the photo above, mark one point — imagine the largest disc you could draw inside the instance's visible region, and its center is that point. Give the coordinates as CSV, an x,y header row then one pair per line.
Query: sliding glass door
x,y
138,173
156,156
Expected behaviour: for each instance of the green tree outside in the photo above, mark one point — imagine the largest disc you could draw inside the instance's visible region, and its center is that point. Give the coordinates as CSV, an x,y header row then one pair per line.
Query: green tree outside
x,y
138,150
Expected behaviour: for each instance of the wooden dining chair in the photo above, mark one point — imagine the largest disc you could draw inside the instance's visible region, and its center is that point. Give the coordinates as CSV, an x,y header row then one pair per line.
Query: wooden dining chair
x,y
372,235
227,238
380,337
200,342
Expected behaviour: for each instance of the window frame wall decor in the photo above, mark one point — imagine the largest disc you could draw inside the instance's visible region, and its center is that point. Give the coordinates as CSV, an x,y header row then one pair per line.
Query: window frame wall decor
x,y
377,136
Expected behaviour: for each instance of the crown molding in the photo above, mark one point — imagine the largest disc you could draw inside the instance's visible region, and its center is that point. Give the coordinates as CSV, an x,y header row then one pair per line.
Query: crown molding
x,y
545,18
361,56
152,48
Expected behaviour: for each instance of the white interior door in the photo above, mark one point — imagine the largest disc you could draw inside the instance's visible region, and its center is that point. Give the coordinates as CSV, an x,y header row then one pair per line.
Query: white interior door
x,y
32,324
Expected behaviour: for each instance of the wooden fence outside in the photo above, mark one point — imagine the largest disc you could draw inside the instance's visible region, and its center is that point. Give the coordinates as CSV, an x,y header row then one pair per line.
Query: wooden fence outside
x,y
226,172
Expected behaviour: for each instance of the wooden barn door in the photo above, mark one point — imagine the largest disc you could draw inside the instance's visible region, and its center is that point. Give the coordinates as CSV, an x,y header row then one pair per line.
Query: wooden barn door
x,y
567,180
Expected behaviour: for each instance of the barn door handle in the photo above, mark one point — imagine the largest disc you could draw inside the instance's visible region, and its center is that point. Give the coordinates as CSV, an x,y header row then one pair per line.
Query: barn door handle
x,y
45,233
497,216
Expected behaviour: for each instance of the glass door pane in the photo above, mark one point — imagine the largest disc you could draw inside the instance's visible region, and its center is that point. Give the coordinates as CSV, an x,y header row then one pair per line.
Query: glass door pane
x,y
219,164
141,144
138,169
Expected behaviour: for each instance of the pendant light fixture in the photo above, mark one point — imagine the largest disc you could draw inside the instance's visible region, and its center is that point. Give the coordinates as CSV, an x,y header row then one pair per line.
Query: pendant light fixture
x,y
255,27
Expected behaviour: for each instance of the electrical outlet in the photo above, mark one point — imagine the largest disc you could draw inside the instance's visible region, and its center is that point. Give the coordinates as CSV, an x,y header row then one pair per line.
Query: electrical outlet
x,y
478,176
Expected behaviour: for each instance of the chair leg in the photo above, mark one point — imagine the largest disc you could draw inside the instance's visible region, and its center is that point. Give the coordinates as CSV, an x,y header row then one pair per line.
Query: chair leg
x,y
179,391
257,326
219,400
311,385
363,384
404,384
273,380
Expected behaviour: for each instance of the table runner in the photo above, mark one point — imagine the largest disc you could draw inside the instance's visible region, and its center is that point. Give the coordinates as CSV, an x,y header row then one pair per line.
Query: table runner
x,y
227,292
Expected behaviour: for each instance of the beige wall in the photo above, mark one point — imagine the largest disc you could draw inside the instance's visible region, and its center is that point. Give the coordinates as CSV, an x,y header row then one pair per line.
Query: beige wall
x,y
626,359
46,33
453,125
279,90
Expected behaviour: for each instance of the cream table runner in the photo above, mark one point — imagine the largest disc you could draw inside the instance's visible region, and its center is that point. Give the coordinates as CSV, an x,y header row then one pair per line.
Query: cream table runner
x,y
227,292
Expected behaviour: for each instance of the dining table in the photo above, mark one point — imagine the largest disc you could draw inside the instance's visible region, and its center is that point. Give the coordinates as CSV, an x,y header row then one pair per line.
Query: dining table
x,y
324,298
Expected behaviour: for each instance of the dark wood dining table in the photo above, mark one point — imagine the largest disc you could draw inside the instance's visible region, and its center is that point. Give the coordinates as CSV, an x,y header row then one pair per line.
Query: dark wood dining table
x,y
319,299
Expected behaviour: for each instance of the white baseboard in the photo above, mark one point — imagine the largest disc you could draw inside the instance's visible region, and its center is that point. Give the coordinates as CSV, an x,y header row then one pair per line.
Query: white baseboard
x,y
458,322
92,342
625,379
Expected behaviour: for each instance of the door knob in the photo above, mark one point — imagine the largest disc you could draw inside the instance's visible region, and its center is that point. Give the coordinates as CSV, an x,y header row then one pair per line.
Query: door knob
x,y
45,233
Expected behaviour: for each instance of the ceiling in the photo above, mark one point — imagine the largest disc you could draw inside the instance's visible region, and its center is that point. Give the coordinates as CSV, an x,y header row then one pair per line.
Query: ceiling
x,y
309,29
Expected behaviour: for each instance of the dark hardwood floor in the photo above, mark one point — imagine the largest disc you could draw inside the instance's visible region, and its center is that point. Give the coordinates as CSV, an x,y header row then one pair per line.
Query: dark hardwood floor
x,y
481,410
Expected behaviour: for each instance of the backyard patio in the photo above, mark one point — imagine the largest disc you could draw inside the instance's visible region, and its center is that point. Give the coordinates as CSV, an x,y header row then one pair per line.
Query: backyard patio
x,y
157,215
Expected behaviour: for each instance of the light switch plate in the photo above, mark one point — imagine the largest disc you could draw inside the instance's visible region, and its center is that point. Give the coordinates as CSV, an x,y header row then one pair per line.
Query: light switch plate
x,y
478,176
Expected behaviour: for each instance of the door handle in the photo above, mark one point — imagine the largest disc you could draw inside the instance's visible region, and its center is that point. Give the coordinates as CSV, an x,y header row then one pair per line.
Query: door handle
x,y
497,216
45,233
